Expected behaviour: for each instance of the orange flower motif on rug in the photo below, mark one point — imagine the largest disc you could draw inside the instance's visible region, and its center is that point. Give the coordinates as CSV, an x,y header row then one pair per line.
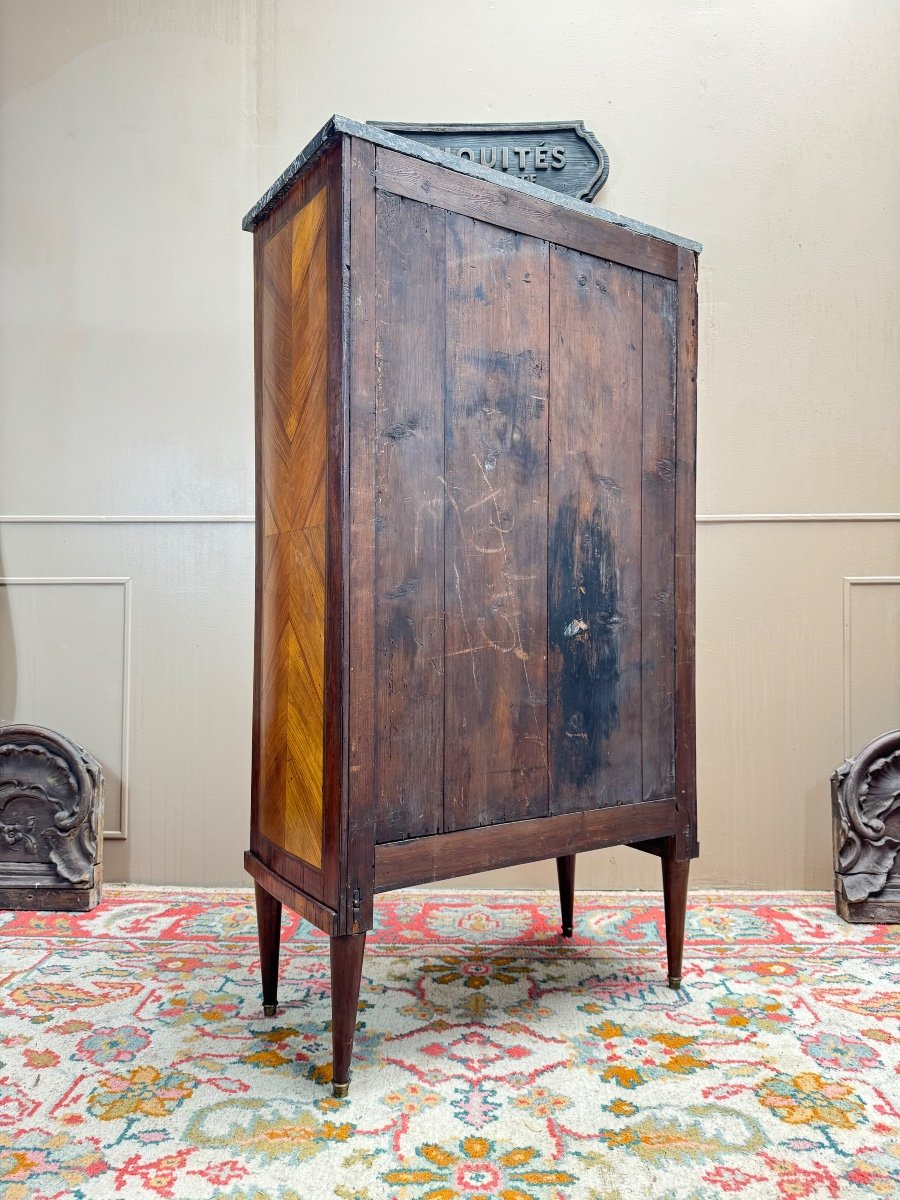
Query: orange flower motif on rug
x,y
476,971
145,1091
475,1169
808,1099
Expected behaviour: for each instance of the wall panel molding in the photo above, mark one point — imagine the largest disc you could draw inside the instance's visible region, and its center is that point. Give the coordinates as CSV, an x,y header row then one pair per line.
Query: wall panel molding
x,y
851,582
247,518
771,518
124,582
139,519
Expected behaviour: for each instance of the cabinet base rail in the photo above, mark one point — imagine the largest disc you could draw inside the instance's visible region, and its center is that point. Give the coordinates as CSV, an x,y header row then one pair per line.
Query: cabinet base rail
x,y
655,836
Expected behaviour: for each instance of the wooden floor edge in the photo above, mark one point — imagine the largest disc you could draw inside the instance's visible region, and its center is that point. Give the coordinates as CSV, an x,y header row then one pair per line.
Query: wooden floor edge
x,y
311,910
449,855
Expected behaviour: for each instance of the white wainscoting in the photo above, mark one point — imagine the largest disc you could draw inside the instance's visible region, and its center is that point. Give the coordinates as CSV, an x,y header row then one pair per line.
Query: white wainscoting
x,y
871,659
66,665
156,618
796,660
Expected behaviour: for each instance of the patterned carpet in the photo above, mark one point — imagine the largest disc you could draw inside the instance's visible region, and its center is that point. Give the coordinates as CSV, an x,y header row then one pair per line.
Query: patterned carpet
x,y
494,1060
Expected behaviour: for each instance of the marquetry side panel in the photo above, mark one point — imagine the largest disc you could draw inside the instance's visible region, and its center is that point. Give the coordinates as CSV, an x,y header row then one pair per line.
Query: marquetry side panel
x,y
293,415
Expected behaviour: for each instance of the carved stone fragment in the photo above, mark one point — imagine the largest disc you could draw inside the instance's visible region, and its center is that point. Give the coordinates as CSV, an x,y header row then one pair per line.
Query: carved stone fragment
x,y
865,802
51,821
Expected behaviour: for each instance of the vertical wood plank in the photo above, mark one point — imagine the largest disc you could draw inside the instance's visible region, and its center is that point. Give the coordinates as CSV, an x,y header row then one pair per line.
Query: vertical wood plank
x,y
361,623
685,553
342,606
409,524
335,791
658,539
258,538
495,756
595,533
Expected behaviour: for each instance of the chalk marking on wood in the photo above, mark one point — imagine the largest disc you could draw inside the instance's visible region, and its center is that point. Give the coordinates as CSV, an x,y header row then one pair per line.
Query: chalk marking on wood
x,y
522,655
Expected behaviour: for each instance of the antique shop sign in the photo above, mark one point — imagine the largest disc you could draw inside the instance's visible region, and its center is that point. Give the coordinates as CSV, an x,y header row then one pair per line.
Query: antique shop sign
x,y
562,156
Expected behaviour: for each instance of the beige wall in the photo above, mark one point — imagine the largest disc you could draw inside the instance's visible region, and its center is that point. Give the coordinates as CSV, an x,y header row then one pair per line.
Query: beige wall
x,y
135,135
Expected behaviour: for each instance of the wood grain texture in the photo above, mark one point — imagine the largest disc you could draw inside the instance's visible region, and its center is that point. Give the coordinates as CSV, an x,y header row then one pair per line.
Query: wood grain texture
x,y
296,871
447,855
268,924
508,209
685,555
346,975
495,739
274,551
360,646
258,537
276,885
675,886
658,539
304,643
409,517
335,766
293,456
594,561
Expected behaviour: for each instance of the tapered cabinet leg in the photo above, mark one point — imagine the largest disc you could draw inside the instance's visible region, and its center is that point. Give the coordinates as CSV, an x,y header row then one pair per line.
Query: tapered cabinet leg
x,y
268,923
346,972
565,873
675,886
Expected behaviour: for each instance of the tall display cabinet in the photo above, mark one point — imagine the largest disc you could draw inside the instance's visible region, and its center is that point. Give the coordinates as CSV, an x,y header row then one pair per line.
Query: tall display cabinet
x,y
475,429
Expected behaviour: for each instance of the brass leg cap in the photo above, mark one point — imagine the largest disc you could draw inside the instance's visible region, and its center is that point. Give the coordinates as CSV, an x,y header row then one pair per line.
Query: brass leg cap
x,y
675,982
340,1090
567,930
269,1010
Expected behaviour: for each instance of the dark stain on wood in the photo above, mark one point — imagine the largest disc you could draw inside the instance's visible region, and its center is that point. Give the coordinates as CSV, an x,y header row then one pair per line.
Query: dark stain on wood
x,y
495,755
402,429
595,515
406,588
585,633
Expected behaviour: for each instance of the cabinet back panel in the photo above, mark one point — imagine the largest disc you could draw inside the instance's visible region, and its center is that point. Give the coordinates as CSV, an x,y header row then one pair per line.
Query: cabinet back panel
x,y
658,538
595,532
524,526
409,517
495,553
294,321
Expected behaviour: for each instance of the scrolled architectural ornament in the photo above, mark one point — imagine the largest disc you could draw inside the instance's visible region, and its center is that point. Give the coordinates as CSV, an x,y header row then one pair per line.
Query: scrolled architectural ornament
x,y
865,802
51,821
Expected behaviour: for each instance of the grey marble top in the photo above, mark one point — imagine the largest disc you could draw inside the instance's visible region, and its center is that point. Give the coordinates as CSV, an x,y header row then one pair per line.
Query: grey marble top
x,y
381,137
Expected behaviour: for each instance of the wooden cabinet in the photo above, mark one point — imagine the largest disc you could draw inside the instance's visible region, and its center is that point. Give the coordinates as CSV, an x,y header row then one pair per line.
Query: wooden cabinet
x,y
475,423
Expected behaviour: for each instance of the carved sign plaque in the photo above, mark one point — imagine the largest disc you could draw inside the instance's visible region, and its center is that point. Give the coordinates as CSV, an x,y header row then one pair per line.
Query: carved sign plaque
x,y
562,155
51,817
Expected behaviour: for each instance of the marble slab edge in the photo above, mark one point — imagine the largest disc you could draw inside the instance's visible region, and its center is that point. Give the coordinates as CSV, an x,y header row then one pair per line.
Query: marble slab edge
x,y
390,141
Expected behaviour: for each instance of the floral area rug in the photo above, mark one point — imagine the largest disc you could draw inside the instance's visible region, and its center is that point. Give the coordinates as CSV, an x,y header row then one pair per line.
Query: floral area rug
x,y
494,1060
